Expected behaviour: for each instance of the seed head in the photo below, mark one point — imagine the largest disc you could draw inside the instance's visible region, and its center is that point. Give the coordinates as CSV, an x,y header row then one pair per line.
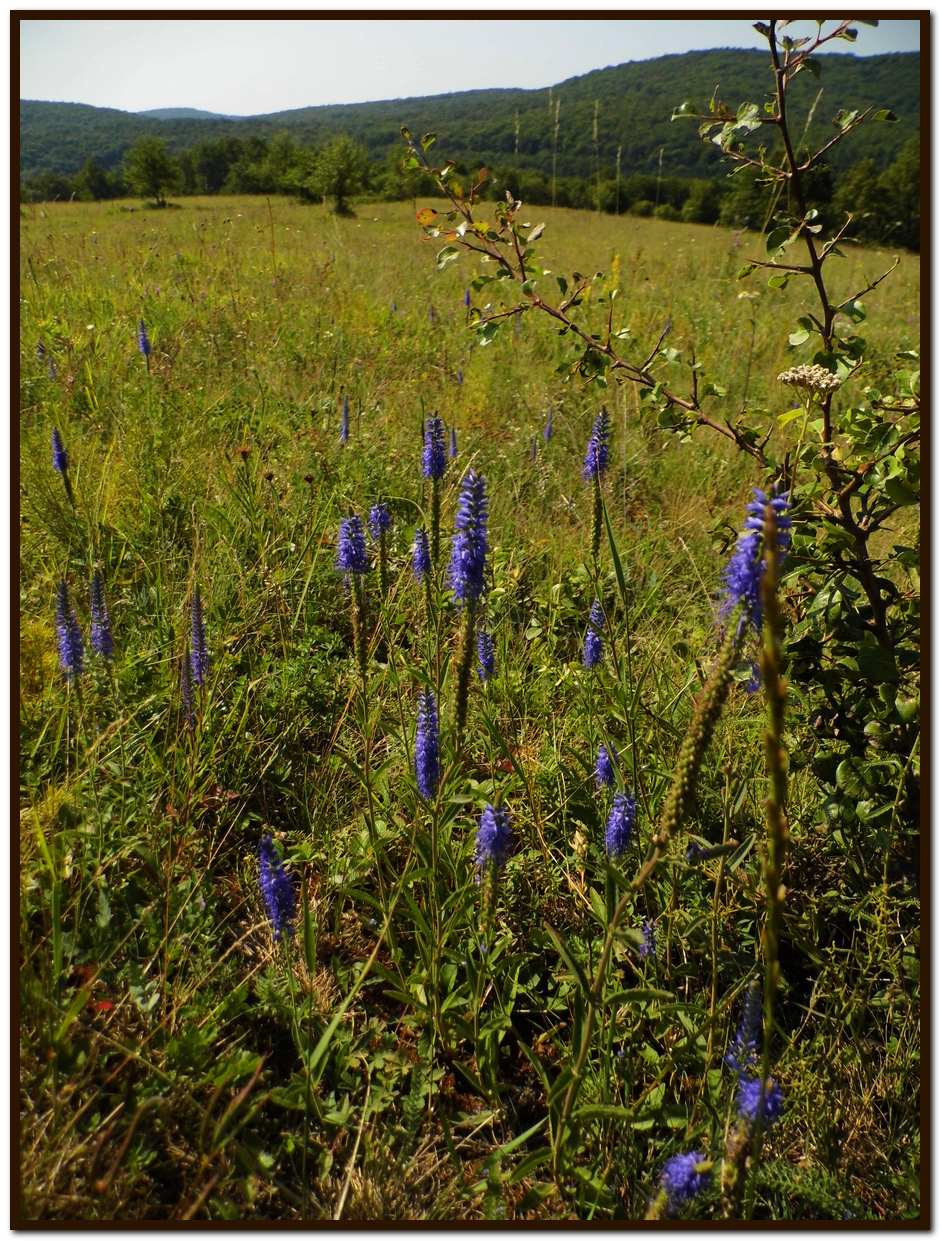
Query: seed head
x,y
351,547
277,888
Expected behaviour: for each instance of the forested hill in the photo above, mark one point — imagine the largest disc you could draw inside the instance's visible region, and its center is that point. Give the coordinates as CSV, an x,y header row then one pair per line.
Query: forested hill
x,y
633,103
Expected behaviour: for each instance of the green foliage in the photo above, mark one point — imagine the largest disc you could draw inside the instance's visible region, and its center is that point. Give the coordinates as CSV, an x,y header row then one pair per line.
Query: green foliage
x,y
339,171
150,170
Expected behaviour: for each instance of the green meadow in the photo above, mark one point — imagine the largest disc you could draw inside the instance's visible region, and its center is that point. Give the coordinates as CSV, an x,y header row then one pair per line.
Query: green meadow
x,y
426,1043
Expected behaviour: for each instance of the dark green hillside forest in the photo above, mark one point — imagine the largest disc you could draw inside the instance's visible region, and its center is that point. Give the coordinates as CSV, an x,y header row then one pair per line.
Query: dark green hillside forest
x,y
601,141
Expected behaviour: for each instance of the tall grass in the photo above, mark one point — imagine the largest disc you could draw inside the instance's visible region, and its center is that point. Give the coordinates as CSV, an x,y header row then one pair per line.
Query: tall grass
x,y
438,1039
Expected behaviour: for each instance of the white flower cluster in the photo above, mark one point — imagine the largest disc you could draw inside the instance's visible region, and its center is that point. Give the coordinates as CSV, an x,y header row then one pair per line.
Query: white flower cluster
x,y
817,378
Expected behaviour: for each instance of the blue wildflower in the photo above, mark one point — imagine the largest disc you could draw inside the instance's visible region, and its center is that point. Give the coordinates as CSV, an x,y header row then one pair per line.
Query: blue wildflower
x,y
351,547
682,1179
467,299
427,766
742,1054
604,771
380,519
591,655
345,420
102,642
469,547
494,838
143,340
596,456
71,647
648,940
199,656
452,450
60,458
620,824
277,888
484,655
433,461
749,1099
745,569
421,554
547,429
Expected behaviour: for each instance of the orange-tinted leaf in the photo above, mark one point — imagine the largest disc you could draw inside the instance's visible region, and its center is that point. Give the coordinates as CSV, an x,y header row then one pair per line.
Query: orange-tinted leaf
x,y
427,215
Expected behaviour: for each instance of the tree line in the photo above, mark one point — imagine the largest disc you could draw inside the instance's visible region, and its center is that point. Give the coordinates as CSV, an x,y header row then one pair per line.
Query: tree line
x,y
884,203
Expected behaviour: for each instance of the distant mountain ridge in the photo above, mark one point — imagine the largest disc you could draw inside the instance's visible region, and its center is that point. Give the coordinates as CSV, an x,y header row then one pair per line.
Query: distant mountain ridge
x,y
187,114
512,126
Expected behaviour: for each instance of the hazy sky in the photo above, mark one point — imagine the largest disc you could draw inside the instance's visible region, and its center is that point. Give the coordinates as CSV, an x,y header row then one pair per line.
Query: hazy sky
x,y
249,66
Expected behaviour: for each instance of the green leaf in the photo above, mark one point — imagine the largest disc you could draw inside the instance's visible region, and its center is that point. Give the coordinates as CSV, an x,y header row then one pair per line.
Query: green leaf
x,y
778,281
800,337
789,416
446,255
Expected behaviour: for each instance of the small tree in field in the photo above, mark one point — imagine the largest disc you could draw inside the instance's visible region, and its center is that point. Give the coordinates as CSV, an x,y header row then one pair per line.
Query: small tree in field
x,y
151,171
341,170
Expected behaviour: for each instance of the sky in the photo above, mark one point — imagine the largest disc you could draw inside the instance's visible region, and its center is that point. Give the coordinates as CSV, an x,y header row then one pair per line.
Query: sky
x,y
246,67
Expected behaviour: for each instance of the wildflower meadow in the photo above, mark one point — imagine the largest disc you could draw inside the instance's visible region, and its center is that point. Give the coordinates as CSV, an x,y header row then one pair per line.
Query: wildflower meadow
x,y
469,750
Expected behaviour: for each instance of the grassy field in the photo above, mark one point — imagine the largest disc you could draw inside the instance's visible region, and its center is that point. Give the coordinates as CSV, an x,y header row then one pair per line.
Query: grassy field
x,y
405,1053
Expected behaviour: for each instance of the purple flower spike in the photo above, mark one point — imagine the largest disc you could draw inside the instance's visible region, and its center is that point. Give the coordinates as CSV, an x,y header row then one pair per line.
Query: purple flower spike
x,y
277,888
102,642
494,838
345,420
469,547
484,655
591,655
547,429
421,554
744,571
379,520
604,771
71,647
648,941
351,547
60,458
617,834
433,461
596,455
143,340
427,762
749,1099
199,655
